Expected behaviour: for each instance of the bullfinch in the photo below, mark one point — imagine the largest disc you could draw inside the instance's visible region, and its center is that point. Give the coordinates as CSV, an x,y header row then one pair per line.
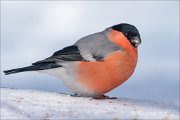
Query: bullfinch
x,y
95,64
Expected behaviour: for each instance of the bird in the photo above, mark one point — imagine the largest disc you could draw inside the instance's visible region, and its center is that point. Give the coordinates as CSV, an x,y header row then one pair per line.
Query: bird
x,y
95,64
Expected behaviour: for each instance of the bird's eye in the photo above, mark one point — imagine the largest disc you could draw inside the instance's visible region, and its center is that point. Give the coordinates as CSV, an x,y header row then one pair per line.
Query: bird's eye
x,y
126,34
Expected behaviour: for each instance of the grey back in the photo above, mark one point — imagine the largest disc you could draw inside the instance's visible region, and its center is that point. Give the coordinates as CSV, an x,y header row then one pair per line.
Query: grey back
x,y
96,46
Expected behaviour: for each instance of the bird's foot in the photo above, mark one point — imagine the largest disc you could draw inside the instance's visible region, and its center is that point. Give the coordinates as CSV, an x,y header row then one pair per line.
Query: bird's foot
x,y
104,97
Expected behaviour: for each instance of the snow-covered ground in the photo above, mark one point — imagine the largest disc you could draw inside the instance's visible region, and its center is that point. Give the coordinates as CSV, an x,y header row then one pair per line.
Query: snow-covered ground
x,y
30,104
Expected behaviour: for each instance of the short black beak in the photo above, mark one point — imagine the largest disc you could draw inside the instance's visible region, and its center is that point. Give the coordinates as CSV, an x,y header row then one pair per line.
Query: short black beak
x,y
135,41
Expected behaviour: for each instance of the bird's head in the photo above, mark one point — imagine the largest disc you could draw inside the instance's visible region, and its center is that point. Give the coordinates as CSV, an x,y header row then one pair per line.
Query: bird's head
x,y
130,32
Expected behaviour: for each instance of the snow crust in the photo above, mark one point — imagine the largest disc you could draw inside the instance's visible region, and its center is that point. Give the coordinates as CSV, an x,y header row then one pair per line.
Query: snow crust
x,y
31,104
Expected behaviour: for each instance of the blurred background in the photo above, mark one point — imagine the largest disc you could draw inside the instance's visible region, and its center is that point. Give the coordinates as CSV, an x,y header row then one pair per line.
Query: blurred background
x,y
34,30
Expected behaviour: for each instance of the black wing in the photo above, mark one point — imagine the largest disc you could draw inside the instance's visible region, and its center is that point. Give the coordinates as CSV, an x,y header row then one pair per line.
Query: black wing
x,y
70,53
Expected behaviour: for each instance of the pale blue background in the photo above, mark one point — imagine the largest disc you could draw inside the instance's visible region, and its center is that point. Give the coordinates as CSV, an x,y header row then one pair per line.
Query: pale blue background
x,y
31,31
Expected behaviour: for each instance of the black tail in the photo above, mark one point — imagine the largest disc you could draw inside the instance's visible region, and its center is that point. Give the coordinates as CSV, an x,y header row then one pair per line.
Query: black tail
x,y
37,67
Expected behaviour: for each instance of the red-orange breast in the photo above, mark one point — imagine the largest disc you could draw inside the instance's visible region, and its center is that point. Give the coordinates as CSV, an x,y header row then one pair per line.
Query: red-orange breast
x,y
116,68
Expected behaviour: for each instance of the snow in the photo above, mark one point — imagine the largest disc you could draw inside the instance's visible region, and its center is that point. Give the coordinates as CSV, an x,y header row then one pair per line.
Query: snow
x,y
31,104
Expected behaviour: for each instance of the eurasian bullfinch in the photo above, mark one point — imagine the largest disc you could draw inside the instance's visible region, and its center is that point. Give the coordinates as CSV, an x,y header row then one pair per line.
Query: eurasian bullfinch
x,y
95,64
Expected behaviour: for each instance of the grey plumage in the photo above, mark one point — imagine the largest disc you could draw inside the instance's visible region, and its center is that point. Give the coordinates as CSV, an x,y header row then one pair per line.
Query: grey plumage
x,y
94,47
